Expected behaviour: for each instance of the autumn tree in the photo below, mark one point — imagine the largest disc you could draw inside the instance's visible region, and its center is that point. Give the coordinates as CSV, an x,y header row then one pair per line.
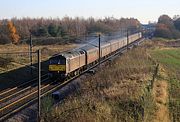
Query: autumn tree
x,y
13,33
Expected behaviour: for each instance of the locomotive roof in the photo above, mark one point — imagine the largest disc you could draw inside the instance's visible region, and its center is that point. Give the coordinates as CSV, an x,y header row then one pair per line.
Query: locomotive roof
x,y
70,53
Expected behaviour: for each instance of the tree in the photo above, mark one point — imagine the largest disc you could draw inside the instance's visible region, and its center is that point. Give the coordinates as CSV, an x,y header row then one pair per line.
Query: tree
x,y
65,27
163,31
53,30
13,33
61,31
42,31
165,19
167,28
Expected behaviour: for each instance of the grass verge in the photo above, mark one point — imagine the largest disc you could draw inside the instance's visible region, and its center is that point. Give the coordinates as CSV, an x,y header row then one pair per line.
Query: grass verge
x,y
118,92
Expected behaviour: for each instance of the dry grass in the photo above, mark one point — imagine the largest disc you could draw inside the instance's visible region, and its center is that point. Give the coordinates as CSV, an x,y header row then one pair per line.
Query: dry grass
x,y
9,48
160,93
115,94
47,50
121,90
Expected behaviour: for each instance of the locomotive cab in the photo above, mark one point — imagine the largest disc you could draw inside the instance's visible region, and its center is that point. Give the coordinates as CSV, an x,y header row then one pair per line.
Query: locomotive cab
x,y
57,67
66,64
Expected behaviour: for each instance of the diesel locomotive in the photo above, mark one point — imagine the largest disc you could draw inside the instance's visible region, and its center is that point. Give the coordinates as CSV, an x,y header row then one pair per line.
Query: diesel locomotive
x,y
73,62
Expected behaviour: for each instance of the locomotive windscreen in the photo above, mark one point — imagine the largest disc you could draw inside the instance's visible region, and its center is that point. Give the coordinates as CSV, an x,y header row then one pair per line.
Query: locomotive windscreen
x,y
57,60
57,63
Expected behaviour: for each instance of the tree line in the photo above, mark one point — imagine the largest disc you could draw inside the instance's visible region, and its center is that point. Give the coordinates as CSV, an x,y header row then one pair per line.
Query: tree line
x,y
16,30
168,27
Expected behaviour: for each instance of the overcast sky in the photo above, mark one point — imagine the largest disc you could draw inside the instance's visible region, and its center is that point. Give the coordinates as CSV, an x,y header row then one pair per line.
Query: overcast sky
x,y
143,10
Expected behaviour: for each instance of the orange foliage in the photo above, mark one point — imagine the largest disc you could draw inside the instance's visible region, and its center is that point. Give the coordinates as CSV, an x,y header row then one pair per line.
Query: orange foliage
x,y
13,33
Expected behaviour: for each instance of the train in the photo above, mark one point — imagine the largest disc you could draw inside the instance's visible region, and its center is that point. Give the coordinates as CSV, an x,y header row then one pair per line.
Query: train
x,y
71,63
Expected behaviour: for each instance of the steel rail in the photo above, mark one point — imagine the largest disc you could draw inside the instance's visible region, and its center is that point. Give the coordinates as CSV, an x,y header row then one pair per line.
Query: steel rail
x,y
21,91
14,88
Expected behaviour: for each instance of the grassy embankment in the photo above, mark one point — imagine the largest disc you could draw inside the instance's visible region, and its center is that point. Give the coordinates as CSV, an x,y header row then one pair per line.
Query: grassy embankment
x,y
118,92
121,92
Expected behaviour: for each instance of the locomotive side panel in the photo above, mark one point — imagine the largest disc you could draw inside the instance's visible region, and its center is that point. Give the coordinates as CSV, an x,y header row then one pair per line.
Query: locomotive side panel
x,y
82,60
82,57
76,62
72,64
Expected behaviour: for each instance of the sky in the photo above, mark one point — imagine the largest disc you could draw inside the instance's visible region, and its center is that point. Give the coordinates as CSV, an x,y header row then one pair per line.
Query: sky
x,y
143,10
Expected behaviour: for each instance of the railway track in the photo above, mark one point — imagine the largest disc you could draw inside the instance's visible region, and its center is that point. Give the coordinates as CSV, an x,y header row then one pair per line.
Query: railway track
x,y
7,94
20,93
10,96
49,87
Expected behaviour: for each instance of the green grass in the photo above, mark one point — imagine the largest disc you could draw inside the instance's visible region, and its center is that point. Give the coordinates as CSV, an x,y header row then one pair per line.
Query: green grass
x,y
170,58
